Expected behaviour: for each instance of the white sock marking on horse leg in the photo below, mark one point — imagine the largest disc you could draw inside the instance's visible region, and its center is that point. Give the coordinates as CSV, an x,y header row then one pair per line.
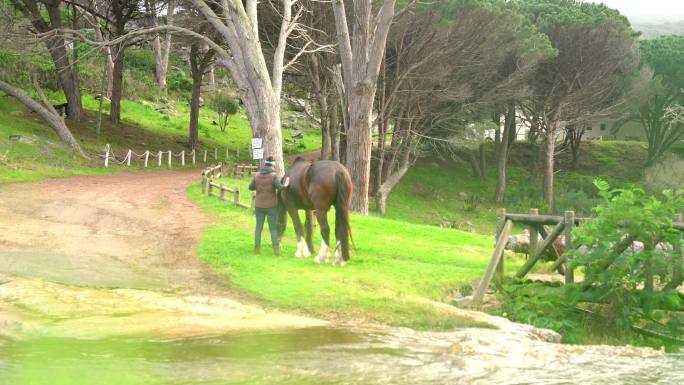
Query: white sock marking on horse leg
x,y
323,254
298,253
302,249
305,249
338,255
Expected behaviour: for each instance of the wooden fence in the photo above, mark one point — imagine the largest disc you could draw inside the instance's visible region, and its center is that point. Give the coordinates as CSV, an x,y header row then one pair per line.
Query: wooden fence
x,y
167,158
211,173
541,241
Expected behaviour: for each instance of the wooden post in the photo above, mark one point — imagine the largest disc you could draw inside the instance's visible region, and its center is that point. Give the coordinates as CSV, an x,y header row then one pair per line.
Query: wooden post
x,y
226,154
128,157
500,221
209,186
205,156
169,158
493,263
159,161
569,225
215,153
183,158
204,182
238,153
534,234
193,156
236,196
222,194
548,241
147,157
253,203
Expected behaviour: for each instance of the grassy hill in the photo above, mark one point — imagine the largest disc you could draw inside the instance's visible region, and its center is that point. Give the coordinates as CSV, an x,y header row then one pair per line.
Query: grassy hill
x,y
38,154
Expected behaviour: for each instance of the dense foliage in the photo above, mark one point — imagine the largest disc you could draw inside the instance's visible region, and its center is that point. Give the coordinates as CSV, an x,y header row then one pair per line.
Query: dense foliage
x,y
632,262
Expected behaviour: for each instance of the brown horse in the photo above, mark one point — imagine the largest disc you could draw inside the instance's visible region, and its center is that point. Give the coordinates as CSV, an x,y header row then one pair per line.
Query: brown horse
x,y
317,186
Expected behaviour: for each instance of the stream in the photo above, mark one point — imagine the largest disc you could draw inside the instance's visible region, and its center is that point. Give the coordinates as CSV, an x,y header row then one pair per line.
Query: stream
x,y
324,355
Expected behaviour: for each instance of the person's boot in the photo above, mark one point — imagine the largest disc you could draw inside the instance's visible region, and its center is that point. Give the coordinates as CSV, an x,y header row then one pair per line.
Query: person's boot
x,y
257,250
276,250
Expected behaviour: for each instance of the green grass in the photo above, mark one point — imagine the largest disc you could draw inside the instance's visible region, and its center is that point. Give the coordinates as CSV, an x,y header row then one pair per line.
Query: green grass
x,y
395,272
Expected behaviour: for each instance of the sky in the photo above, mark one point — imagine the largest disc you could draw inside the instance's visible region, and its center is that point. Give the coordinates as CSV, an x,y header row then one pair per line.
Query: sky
x,y
647,9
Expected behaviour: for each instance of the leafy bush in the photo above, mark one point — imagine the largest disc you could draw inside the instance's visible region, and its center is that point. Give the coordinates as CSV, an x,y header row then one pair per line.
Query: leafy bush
x,y
636,285
225,106
176,81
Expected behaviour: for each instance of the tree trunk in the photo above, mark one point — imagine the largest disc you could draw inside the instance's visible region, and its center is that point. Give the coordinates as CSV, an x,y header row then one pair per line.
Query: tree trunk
x,y
502,161
162,50
382,138
211,80
117,86
56,45
361,57
359,146
393,178
550,145
52,118
196,68
333,126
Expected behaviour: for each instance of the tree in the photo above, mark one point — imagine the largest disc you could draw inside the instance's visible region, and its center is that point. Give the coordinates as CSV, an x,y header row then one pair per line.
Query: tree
x,y
200,59
361,53
56,44
161,49
573,85
441,73
665,56
237,25
45,111
119,14
225,106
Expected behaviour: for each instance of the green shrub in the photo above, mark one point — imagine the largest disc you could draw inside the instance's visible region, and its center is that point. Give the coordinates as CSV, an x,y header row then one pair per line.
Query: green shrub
x,y
225,106
637,286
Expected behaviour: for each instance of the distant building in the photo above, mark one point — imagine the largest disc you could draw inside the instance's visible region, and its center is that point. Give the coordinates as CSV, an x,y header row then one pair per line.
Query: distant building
x,y
604,130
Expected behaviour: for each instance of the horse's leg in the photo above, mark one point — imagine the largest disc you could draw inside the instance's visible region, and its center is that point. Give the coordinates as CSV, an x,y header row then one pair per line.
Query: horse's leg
x,y
308,229
324,253
302,249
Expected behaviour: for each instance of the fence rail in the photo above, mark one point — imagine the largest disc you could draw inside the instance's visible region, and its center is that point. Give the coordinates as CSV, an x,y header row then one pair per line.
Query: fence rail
x,y
147,158
209,185
535,223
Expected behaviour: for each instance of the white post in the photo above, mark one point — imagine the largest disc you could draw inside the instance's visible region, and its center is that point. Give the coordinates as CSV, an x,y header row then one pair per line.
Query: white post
x,y
183,158
193,156
238,153
169,158
226,154
107,156
147,157
205,156
128,157
215,153
160,158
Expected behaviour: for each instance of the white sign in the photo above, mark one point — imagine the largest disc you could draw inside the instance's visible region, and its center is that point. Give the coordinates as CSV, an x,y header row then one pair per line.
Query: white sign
x,y
256,143
258,153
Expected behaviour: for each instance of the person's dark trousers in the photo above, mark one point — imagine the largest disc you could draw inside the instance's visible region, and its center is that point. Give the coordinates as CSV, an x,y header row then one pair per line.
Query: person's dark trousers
x,y
261,216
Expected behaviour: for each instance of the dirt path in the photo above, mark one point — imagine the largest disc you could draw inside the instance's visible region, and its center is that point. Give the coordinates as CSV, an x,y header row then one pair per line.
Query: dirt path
x,y
112,255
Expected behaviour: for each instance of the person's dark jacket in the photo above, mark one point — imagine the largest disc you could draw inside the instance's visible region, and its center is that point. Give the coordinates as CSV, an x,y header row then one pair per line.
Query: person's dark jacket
x,y
265,182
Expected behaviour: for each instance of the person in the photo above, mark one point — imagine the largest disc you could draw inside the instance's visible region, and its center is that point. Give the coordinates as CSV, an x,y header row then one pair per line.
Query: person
x,y
266,183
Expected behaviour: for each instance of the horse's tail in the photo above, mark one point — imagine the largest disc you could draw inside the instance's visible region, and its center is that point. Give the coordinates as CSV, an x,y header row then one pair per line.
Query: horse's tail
x,y
282,214
342,223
